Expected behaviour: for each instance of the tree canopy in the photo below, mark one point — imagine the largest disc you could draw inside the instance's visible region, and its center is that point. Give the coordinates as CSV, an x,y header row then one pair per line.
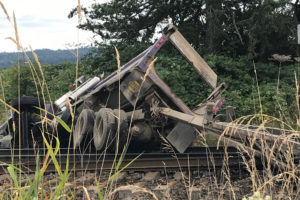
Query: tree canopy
x,y
241,27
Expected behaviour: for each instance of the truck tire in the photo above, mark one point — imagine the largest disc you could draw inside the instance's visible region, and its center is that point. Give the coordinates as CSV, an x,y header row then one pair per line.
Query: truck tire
x,y
84,126
104,128
62,133
123,129
27,106
27,102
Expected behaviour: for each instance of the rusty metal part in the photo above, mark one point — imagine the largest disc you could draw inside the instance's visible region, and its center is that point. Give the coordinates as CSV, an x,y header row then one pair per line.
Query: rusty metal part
x,y
168,92
217,92
141,131
135,115
182,136
194,120
234,134
134,86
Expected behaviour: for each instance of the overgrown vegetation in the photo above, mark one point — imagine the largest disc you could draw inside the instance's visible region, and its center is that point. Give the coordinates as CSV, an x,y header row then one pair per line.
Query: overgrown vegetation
x,y
178,74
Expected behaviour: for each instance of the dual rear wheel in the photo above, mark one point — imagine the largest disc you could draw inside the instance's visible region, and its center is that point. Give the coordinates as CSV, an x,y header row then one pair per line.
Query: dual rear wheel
x,y
106,128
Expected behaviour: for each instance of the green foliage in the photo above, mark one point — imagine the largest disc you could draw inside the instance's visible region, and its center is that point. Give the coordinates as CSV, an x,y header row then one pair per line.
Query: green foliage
x,y
103,60
238,73
182,79
58,79
233,28
242,91
10,80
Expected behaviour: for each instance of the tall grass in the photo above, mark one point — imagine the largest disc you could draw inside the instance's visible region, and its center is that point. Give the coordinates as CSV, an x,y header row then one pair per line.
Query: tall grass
x,y
29,188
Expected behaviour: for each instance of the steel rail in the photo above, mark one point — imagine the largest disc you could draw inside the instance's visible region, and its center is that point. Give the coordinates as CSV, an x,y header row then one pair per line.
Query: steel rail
x,y
201,158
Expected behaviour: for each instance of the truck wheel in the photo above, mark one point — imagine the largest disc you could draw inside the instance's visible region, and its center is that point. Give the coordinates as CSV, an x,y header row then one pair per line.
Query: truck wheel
x,y
62,133
27,102
84,126
27,108
104,128
36,134
123,121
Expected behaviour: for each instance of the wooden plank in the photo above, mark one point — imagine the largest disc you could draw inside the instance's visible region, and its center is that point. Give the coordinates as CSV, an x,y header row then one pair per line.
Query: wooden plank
x,y
202,68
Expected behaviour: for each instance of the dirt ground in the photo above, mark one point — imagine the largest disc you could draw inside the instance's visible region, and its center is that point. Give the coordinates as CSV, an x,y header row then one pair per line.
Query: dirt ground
x,y
167,184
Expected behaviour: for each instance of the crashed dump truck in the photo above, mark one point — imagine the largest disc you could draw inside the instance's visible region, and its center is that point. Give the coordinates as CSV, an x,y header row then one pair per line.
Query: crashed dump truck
x,y
135,105
126,102
123,105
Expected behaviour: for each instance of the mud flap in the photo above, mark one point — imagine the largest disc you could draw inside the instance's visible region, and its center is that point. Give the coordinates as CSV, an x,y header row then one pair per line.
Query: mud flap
x,y
182,136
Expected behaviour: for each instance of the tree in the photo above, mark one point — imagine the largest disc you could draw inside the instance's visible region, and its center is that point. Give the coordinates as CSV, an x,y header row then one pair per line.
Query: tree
x,y
225,27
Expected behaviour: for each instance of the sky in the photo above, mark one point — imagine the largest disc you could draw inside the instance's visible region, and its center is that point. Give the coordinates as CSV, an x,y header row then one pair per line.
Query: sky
x,y
43,24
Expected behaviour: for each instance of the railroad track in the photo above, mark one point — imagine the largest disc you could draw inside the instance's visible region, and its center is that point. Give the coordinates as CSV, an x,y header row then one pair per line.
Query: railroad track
x,y
157,172
198,157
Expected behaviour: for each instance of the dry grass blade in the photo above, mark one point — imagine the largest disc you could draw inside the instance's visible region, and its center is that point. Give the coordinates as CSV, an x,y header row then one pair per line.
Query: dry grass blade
x,y
35,58
297,99
40,67
258,90
86,192
10,107
79,12
118,59
16,32
12,39
5,11
149,69
70,107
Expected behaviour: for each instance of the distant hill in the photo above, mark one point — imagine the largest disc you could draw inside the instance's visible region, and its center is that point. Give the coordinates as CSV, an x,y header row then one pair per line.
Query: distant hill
x,y
46,56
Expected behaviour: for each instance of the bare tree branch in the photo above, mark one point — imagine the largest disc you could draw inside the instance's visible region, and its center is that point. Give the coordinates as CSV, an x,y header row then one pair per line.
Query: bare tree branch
x,y
236,29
